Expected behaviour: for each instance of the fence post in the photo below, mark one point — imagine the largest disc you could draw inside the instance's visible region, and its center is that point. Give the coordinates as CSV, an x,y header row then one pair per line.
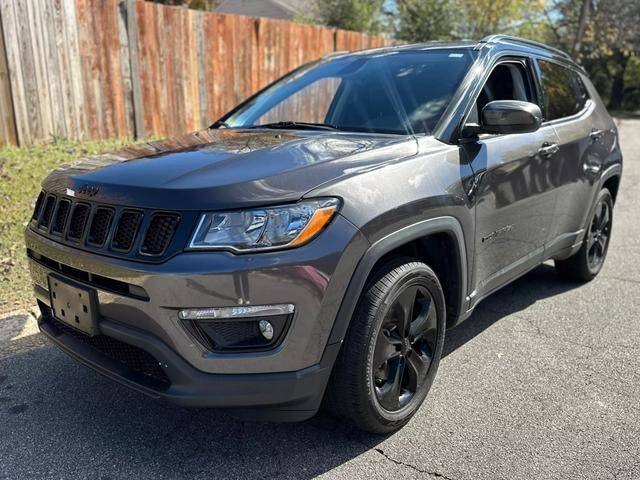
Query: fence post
x,y
8,132
134,58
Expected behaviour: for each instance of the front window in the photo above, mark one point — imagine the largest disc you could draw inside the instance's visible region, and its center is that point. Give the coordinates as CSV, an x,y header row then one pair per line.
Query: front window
x,y
397,92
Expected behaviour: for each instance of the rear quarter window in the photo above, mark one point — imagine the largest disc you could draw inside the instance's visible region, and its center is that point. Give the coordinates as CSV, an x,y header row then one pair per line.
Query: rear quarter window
x,y
563,92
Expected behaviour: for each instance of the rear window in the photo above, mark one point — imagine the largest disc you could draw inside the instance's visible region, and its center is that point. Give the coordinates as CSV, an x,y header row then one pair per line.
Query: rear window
x,y
563,92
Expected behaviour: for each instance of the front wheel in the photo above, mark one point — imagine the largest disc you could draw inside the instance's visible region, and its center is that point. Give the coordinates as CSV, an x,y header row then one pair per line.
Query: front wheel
x,y
391,353
585,264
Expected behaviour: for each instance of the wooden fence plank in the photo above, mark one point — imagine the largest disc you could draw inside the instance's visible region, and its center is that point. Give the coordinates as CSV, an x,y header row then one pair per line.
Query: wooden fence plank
x,y
125,68
72,66
61,121
38,35
29,75
8,133
134,60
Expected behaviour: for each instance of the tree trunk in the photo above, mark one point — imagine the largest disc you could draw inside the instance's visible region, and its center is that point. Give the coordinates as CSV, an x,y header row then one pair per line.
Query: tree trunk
x,y
617,86
582,25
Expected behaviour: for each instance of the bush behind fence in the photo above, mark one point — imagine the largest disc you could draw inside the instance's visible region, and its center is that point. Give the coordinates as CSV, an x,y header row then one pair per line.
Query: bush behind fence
x,y
110,68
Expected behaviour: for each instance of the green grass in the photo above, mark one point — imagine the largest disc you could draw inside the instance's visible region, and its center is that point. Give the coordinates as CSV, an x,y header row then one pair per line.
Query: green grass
x,y
21,172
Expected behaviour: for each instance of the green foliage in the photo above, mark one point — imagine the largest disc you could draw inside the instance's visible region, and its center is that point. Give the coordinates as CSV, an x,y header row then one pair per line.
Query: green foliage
x,y
424,20
21,171
358,15
609,47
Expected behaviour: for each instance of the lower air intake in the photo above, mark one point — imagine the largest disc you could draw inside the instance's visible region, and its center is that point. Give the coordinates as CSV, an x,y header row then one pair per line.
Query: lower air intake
x,y
131,357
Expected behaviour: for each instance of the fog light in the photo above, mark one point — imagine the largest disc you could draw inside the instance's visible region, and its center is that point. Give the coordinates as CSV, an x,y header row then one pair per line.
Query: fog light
x,y
266,329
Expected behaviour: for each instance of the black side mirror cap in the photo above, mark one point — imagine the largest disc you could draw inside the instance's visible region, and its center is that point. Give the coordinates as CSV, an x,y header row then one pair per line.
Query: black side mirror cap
x,y
506,116
511,116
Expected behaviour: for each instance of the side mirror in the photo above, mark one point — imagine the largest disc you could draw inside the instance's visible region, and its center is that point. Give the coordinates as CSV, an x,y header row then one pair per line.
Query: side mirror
x,y
507,116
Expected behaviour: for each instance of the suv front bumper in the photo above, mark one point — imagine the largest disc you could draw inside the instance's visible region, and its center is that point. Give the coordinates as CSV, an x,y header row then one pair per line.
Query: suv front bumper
x,y
291,376
284,396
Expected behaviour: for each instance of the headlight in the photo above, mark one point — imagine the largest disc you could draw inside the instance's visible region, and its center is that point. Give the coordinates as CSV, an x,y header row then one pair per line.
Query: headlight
x,y
263,228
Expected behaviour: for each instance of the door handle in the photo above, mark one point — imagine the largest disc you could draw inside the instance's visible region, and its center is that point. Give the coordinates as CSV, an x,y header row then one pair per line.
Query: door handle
x,y
596,134
548,150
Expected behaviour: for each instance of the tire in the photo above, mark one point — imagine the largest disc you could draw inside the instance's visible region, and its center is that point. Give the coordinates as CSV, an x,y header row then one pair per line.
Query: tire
x,y
586,263
361,389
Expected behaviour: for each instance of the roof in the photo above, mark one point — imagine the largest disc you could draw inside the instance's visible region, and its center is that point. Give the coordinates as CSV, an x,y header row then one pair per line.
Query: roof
x,y
283,9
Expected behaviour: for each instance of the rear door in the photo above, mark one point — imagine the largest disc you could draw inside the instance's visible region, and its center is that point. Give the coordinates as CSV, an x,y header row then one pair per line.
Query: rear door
x,y
575,170
514,199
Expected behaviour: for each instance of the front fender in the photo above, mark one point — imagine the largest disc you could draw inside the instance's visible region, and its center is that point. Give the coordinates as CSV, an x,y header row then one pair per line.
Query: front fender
x,y
444,224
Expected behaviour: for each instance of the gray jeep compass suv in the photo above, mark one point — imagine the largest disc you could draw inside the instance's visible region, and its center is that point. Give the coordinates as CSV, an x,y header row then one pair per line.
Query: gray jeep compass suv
x,y
313,246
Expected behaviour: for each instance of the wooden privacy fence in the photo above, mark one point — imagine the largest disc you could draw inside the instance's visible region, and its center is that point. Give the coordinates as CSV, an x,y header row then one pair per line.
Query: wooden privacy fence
x,y
111,68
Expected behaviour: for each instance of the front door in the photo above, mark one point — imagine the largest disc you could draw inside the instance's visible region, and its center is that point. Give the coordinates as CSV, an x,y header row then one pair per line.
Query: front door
x,y
512,192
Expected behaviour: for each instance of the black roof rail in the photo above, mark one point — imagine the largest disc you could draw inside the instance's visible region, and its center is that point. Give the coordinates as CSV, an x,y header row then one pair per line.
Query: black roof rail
x,y
337,53
509,38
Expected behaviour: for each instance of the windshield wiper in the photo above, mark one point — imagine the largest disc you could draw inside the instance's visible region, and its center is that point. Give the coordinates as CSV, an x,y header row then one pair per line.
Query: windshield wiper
x,y
219,124
297,125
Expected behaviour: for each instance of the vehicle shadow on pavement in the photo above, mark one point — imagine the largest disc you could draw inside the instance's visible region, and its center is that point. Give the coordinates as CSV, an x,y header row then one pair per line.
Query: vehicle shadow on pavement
x,y
542,282
59,419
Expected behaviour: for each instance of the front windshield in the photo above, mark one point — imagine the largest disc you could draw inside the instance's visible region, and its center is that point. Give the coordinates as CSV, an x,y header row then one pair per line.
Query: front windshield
x,y
397,92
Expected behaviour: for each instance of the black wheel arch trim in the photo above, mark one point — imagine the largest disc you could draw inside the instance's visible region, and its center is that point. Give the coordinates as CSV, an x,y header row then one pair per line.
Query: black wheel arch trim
x,y
377,250
612,171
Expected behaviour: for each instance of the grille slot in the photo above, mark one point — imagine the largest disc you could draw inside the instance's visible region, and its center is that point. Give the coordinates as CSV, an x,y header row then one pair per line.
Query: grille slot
x,y
36,210
126,230
49,205
100,226
78,221
60,220
159,233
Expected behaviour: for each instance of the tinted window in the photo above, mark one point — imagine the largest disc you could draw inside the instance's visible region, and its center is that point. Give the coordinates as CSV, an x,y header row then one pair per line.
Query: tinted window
x,y
392,92
580,90
560,92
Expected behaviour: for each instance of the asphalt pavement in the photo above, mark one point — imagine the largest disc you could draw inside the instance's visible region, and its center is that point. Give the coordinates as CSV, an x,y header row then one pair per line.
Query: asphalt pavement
x,y
543,381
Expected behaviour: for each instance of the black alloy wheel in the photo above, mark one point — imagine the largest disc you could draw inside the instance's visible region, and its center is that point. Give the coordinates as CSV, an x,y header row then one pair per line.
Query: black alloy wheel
x,y
405,347
599,234
587,262
390,355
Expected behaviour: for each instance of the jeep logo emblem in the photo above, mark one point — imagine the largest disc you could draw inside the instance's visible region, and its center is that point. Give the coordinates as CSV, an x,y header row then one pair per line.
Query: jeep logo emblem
x,y
87,190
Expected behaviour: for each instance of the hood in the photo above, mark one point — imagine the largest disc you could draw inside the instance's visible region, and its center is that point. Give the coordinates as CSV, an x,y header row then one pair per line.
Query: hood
x,y
226,168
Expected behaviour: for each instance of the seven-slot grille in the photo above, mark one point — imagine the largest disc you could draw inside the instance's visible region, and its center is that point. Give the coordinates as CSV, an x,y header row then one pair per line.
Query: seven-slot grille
x,y
82,223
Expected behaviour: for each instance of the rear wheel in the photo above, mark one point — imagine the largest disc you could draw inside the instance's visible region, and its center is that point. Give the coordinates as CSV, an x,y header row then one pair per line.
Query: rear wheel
x,y
391,353
588,261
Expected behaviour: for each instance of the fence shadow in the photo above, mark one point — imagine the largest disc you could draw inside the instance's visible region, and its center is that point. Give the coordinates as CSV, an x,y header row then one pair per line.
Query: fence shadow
x,y
62,420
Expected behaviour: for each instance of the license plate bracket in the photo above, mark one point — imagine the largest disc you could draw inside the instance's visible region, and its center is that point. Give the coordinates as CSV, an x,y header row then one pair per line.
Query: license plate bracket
x,y
74,304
